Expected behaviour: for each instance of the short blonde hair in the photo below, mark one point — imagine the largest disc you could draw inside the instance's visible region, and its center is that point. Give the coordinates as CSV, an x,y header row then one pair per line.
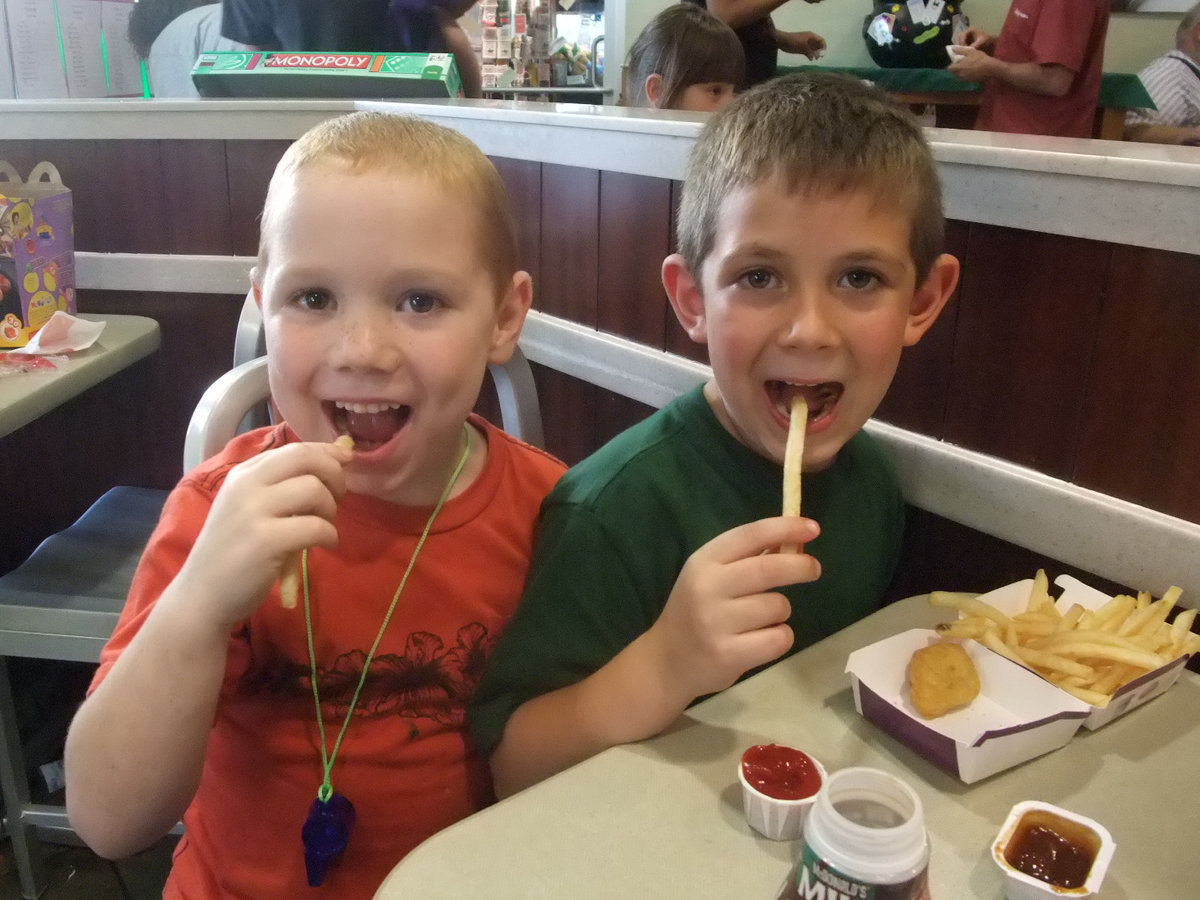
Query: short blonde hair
x,y
815,131
372,142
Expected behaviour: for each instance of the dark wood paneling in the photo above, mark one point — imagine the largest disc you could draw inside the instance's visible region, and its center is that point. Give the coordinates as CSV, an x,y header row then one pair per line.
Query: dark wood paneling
x,y
1027,317
635,236
1140,436
523,179
196,348
570,238
53,468
197,198
940,555
121,204
919,393
568,414
249,166
676,340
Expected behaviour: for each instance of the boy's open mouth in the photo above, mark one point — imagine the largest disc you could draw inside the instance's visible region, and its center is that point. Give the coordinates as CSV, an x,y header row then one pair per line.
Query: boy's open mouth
x,y
821,398
371,425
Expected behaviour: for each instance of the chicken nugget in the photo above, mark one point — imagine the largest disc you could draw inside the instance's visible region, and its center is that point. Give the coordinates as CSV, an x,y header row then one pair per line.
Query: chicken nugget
x,y
942,677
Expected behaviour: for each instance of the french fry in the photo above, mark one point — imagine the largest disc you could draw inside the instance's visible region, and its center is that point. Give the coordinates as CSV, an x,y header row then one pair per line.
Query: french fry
x,y
1089,653
970,605
793,458
292,572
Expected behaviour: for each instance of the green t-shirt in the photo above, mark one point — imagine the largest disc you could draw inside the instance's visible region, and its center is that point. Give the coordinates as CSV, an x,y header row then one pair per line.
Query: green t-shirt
x,y
617,529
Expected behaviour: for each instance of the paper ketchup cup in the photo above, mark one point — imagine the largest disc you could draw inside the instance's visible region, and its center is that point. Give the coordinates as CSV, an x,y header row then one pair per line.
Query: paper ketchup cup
x,y
779,786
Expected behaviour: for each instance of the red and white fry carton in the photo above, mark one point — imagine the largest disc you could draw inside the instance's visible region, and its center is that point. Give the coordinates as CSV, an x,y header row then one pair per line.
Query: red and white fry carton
x,y
1013,598
1017,716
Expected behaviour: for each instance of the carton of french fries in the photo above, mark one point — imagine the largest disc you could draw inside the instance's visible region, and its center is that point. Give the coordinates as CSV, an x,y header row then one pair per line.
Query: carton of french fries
x,y
1114,653
1016,716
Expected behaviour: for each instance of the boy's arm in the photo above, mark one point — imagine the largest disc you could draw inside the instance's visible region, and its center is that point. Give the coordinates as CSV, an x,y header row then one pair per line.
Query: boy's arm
x,y
136,747
723,618
135,750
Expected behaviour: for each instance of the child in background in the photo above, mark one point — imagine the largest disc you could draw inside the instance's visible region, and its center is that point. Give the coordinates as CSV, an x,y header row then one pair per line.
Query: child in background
x,y
810,230
685,59
388,281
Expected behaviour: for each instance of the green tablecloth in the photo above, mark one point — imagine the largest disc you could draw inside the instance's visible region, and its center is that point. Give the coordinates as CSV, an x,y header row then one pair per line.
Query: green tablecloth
x,y
1117,89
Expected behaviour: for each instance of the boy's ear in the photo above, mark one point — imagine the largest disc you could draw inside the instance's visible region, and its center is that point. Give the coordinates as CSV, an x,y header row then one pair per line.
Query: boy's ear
x,y
510,317
683,290
256,287
654,84
930,297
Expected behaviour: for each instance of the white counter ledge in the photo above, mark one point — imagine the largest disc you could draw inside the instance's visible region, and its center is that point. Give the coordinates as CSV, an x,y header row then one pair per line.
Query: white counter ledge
x,y
1140,194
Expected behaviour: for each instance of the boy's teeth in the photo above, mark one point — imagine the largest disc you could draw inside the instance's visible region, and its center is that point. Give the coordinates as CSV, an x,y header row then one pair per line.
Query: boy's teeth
x,y
366,407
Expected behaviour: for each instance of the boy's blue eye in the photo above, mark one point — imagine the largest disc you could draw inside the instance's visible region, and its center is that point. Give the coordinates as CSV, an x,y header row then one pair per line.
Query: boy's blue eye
x,y
759,279
314,299
860,279
420,302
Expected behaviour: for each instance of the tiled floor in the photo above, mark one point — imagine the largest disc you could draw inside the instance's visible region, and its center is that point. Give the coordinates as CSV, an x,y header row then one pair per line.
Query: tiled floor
x,y
75,873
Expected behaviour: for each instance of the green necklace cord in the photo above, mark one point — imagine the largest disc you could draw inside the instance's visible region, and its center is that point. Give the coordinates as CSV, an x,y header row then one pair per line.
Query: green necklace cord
x,y
327,759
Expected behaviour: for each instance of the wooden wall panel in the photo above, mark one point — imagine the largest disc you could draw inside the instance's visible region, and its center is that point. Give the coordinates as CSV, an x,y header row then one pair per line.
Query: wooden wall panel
x,y
196,194
523,179
635,236
676,340
920,391
121,203
1140,436
1027,317
249,165
569,238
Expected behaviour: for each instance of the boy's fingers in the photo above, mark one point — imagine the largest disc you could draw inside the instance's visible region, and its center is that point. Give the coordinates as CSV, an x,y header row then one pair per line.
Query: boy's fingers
x,y
753,538
755,612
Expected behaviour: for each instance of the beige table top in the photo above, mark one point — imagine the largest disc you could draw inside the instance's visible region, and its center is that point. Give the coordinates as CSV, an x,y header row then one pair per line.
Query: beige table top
x,y
663,818
124,341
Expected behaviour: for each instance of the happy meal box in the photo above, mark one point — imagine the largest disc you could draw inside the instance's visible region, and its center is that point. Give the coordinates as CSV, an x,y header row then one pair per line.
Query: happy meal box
x,y
37,251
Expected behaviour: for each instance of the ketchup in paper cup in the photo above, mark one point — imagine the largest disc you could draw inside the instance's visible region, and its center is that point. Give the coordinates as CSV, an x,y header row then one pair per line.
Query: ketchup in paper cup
x,y
779,786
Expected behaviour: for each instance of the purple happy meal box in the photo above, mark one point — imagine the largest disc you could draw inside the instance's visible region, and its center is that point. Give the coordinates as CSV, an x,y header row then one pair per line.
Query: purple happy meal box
x,y
1017,716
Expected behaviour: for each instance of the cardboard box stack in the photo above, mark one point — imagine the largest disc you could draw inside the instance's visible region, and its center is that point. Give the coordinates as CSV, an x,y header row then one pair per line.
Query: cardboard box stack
x,y
60,49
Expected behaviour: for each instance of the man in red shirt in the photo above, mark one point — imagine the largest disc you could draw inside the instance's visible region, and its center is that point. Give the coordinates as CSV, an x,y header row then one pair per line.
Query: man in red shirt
x,y
1042,75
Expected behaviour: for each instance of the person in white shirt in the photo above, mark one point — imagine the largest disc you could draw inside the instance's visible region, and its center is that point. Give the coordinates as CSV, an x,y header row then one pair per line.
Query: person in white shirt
x,y
169,35
1173,83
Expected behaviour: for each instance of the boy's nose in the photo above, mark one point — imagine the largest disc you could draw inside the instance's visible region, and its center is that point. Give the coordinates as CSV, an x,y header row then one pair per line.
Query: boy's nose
x,y
808,323
367,342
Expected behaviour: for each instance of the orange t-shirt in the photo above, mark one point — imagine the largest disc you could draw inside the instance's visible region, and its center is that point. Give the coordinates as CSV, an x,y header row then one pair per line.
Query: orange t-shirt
x,y
405,762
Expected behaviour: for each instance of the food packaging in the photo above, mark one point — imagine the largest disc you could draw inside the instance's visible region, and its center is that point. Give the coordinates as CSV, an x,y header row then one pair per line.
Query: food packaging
x,y
282,73
1087,835
1013,598
37,251
1017,716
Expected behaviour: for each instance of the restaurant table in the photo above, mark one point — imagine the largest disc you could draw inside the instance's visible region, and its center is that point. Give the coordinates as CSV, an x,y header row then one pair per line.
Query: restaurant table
x,y
124,341
663,817
1119,91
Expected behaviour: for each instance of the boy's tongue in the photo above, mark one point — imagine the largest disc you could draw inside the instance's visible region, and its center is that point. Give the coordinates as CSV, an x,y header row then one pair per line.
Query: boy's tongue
x,y
374,428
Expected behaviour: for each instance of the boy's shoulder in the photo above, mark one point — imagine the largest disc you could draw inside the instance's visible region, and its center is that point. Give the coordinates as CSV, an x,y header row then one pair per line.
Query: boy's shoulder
x,y
641,452
209,475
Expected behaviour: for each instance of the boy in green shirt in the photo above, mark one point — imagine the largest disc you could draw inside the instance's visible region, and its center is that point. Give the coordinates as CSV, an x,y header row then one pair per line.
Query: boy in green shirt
x,y
810,232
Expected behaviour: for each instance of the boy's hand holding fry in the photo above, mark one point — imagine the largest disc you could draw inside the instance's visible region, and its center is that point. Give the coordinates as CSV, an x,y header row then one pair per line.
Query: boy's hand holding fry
x,y
724,615
270,508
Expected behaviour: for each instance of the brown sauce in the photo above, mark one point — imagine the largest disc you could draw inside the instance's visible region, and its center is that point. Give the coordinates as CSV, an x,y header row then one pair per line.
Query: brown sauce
x,y
1052,849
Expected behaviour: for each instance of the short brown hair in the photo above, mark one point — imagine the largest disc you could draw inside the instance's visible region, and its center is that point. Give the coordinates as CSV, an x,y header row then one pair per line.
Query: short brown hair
x,y
813,130
373,141
685,45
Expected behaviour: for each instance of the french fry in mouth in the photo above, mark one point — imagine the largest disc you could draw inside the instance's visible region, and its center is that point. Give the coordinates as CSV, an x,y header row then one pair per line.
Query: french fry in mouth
x,y
292,572
793,456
